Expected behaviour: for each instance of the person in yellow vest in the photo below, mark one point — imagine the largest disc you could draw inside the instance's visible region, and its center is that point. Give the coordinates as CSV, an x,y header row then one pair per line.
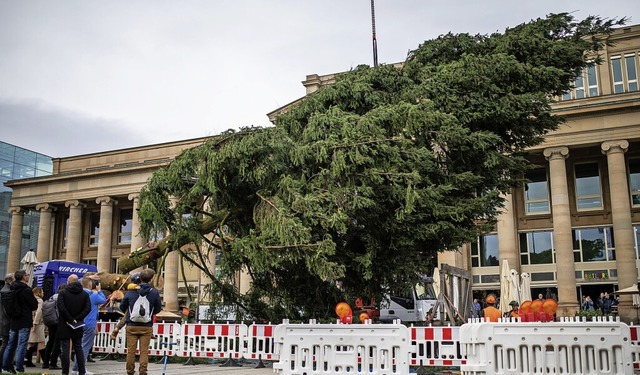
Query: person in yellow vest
x,y
514,310
490,312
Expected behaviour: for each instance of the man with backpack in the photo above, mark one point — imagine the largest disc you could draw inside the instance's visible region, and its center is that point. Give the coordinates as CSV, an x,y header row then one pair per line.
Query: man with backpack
x,y
19,307
5,321
140,306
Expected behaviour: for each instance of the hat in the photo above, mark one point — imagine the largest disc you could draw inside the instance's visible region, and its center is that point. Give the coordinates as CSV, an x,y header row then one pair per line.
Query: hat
x,y
491,298
514,303
135,278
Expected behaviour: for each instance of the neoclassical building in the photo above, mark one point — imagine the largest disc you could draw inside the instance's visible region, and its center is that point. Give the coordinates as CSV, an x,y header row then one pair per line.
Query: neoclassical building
x,y
88,211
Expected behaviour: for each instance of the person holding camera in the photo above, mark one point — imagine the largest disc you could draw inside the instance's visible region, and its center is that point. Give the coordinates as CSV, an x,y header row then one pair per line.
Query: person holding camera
x,y
96,298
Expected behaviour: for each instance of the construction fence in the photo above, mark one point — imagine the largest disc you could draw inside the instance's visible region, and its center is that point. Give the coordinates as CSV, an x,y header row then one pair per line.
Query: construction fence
x,y
570,346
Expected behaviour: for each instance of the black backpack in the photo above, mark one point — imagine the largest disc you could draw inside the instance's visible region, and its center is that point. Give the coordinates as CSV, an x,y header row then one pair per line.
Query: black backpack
x,y
10,304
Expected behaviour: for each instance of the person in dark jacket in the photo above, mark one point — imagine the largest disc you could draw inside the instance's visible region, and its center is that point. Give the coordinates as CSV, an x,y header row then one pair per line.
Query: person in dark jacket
x,y
5,323
73,306
20,327
140,332
52,350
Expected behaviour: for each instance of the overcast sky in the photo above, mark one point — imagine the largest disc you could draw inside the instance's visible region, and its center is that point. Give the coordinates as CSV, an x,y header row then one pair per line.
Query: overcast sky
x,y
82,76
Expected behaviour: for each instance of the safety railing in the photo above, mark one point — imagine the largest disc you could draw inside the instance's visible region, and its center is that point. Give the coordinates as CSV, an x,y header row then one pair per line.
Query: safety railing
x,y
477,347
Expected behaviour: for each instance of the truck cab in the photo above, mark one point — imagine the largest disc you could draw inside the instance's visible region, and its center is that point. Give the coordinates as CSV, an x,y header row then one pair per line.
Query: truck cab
x,y
49,275
413,306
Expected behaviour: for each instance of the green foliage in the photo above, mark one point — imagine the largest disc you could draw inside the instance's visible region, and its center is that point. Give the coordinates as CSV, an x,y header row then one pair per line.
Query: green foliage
x,y
361,184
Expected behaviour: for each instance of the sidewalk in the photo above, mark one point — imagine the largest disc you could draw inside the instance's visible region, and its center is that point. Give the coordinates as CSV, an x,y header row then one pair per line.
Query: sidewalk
x,y
117,367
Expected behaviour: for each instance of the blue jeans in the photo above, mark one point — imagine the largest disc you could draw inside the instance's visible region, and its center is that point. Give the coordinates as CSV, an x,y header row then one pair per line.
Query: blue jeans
x,y
21,336
88,336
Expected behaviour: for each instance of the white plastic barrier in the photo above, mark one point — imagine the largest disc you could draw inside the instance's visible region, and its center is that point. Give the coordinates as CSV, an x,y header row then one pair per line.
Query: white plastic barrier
x,y
342,349
566,347
635,342
436,346
260,344
212,340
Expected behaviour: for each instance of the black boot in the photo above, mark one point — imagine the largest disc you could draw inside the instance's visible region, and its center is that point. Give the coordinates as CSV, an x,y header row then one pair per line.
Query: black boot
x,y
41,351
28,359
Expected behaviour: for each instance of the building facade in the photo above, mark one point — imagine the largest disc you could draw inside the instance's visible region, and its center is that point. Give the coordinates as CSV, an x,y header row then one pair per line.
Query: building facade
x,y
87,211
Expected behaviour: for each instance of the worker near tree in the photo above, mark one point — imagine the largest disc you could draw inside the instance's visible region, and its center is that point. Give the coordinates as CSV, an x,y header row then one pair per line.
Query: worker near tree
x,y
490,312
514,310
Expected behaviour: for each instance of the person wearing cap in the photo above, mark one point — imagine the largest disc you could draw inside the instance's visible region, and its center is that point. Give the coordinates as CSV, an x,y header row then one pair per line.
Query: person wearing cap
x,y
133,285
490,312
514,310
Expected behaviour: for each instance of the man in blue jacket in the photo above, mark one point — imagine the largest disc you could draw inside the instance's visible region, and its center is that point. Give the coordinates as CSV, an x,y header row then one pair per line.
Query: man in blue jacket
x,y
20,326
139,330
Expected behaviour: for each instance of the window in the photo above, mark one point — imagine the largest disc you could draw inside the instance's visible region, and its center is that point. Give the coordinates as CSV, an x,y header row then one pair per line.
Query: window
x,y
536,193
588,191
634,181
126,225
593,244
94,229
65,240
484,253
537,248
586,84
625,73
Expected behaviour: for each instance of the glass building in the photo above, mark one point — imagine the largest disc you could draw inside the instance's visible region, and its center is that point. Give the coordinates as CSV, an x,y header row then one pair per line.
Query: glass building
x,y
18,163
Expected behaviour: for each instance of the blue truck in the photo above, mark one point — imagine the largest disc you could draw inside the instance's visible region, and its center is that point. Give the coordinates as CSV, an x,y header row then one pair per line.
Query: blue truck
x,y
50,274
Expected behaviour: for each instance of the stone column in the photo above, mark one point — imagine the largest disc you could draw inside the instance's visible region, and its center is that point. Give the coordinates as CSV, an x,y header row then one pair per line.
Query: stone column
x,y
105,236
171,267
568,303
15,241
44,232
74,234
621,218
507,244
137,241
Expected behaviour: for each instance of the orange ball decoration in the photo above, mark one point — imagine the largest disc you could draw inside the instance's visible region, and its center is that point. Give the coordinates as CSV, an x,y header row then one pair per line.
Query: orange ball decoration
x,y
343,309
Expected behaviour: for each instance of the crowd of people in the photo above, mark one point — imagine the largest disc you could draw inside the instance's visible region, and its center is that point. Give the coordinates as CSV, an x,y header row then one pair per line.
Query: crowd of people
x,y
26,331
605,303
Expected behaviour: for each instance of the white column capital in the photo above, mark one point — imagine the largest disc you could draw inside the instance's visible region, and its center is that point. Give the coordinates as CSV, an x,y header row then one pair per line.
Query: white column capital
x,y
620,145
103,201
74,204
45,207
553,152
14,210
134,197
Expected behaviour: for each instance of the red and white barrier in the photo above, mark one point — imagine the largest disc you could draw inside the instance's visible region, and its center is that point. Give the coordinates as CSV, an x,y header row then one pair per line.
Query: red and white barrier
x,y
213,340
260,344
436,346
103,342
507,347
162,333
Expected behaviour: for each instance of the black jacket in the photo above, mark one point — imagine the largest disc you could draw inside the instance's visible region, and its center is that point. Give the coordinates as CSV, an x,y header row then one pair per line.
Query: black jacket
x,y
132,296
73,305
4,318
27,302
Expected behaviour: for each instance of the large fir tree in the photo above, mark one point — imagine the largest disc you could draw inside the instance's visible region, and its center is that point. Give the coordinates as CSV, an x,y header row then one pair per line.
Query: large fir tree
x,y
361,184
